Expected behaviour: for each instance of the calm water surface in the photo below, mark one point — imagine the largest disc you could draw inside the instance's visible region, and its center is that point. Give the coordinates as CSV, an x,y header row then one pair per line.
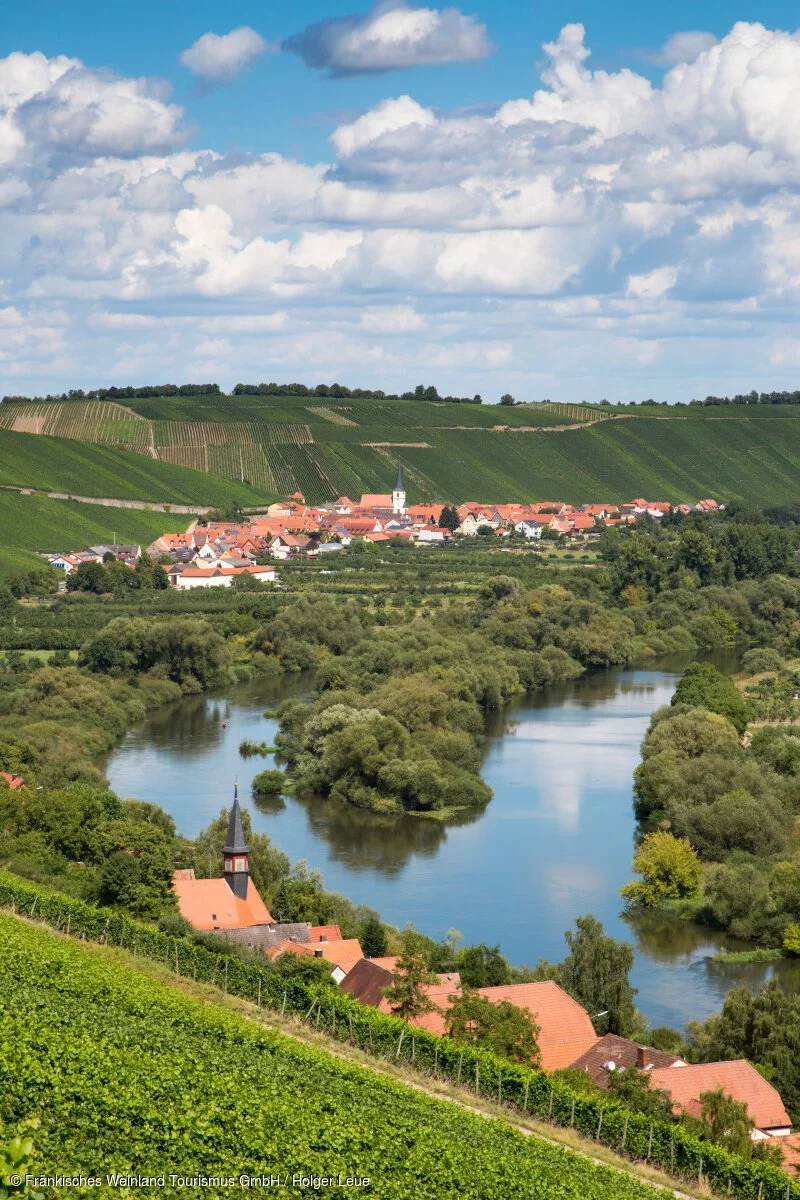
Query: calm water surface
x,y
556,841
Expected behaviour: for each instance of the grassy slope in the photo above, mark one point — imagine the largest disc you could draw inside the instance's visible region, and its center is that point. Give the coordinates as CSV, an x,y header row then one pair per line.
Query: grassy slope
x,y
129,1074
680,454
397,415
32,523
67,465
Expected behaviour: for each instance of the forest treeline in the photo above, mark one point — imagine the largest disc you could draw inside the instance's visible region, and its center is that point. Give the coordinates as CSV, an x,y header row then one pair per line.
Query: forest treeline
x,y
335,390
338,391
147,392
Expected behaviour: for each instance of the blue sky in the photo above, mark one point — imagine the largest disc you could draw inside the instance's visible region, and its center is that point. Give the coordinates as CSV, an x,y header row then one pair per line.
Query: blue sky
x,y
404,194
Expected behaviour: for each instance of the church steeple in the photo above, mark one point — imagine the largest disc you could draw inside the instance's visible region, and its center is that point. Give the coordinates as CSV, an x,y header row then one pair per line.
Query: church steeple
x,y
399,493
235,851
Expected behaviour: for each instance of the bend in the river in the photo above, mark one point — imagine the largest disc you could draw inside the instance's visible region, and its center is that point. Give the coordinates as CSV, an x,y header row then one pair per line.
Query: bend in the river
x,y
555,842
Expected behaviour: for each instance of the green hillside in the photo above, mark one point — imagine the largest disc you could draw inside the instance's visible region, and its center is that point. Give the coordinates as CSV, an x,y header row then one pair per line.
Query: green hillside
x,y
127,1074
35,523
453,452
71,465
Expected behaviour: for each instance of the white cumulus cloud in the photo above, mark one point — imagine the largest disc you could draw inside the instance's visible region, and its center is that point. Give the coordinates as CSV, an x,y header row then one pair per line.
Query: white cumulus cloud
x,y
390,116
682,47
565,240
220,58
391,36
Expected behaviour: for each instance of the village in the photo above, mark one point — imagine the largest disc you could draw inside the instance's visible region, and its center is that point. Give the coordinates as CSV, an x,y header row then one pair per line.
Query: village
x,y
232,907
216,553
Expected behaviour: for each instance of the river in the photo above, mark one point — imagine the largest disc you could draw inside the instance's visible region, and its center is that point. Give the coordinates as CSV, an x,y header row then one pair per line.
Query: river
x,y
555,842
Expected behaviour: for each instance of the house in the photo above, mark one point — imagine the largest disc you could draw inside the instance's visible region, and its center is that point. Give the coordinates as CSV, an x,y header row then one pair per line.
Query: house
x,y
599,511
431,536
14,781
65,562
738,1079
372,500
231,902
582,523
185,579
366,982
424,514
613,1053
529,529
707,506
342,954
560,525
122,553
286,545
565,1030
168,543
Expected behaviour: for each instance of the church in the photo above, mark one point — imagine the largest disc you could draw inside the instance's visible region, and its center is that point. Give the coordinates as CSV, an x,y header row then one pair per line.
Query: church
x,y
233,907
229,903
381,504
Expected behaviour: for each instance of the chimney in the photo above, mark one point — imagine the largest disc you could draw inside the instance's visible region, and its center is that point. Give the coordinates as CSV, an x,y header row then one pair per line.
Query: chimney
x,y
641,1057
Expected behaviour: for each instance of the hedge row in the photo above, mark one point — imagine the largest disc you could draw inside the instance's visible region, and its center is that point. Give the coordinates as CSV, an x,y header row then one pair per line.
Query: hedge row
x,y
661,1144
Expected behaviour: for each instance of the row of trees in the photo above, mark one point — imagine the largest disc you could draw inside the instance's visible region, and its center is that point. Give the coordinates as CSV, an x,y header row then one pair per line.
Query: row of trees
x,y
148,392
338,391
111,576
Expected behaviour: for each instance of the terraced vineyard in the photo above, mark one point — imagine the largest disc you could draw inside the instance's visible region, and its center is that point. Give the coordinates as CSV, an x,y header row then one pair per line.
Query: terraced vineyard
x,y
127,1074
95,421
451,452
72,465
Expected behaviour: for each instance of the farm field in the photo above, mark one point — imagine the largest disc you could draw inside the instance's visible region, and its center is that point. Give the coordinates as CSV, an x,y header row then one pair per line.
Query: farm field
x,y
70,465
449,452
128,1074
32,523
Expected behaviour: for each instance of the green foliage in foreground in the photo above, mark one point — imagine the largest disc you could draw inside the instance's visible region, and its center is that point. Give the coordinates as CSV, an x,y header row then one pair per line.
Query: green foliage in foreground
x,y
39,964
130,1076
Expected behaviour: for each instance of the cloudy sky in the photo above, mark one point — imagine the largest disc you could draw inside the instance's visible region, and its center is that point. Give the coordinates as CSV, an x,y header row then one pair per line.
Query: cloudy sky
x,y
567,201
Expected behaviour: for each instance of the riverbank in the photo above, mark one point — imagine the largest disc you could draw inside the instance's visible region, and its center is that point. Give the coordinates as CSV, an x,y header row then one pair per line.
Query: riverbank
x,y
555,841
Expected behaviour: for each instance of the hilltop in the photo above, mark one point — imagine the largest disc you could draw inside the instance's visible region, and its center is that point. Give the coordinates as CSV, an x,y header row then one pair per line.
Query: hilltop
x,y
327,447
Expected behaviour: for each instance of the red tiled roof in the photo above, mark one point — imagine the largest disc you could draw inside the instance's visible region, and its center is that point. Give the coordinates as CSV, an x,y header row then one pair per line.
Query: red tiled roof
x,y
737,1079
15,782
565,1029
210,904
329,933
376,500
387,961
285,945
790,1147
344,953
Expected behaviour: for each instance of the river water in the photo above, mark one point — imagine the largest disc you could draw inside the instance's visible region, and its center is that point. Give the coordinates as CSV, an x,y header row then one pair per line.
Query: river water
x,y
555,842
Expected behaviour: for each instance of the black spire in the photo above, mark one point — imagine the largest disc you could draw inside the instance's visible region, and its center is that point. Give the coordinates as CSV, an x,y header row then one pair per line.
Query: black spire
x,y
398,487
236,843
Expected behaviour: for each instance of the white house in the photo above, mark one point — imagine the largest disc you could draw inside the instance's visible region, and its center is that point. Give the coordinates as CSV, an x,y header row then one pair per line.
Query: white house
x,y
528,529
198,577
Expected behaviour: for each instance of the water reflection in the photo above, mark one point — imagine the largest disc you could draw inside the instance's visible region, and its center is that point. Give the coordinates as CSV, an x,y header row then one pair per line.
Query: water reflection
x,y
556,841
